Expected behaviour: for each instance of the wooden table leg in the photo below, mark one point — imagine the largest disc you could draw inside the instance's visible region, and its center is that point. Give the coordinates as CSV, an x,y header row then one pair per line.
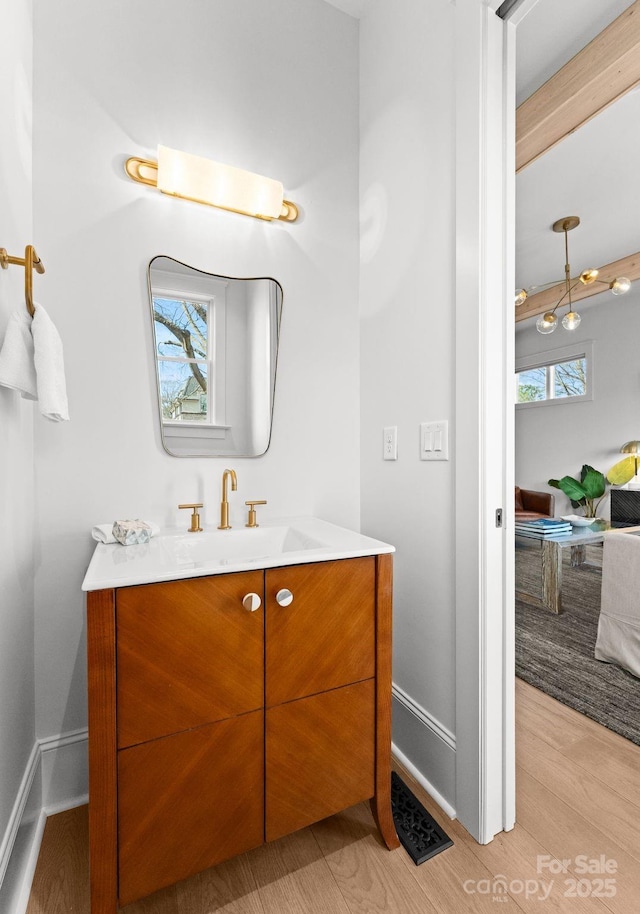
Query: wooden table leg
x,y
578,555
552,576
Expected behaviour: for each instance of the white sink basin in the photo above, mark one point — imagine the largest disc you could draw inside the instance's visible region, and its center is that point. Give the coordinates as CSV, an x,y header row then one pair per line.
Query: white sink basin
x,y
244,544
175,554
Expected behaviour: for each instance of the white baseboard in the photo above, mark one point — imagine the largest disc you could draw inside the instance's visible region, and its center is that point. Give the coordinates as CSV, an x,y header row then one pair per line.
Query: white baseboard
x,y
17,813
426,748
21,900
55,780
64,770
444,805
425,717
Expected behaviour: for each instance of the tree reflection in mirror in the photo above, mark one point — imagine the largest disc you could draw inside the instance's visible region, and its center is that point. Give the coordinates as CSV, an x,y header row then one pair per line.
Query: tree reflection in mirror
x,y
215,351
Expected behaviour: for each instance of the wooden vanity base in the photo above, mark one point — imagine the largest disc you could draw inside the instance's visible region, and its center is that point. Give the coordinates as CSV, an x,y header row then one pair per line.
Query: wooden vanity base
x,y
213,729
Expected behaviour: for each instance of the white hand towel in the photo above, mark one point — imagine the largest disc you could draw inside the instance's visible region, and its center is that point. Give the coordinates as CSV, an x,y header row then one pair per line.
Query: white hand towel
x,y
103,533
47,345
17,369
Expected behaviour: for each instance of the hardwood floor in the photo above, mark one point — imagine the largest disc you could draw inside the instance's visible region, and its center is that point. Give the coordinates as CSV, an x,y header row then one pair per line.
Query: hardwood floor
x,y
578,803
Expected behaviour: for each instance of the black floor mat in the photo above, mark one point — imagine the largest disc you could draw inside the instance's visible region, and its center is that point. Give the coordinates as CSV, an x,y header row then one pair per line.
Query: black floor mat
x,y
419,833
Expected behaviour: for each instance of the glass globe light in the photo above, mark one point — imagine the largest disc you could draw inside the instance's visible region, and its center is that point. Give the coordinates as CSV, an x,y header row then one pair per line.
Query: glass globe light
x,y
588,276
571,320
521,296
547,323
620,285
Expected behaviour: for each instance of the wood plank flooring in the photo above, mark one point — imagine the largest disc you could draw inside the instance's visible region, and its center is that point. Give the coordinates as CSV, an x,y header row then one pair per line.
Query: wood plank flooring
x,y
578,796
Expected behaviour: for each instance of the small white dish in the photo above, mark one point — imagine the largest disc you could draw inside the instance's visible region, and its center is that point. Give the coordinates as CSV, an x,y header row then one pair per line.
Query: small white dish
x,y
576,520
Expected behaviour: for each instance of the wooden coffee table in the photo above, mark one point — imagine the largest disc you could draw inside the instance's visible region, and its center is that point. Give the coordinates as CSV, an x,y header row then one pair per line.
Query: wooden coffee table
x,y
551,562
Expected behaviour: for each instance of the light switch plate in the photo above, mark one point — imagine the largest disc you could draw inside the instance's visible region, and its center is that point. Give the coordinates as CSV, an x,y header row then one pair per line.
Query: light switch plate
x,y
390,443
434,440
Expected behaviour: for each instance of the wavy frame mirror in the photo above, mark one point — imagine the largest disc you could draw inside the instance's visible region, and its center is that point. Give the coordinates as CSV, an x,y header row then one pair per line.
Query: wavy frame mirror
x,y
215,344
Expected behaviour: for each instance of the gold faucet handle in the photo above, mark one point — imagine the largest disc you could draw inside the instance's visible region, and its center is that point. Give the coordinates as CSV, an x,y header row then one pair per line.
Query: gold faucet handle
x,y
251,520
195,517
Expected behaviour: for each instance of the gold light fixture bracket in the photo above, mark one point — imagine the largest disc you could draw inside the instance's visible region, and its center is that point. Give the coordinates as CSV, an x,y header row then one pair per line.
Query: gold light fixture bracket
x,y
567,224
145,171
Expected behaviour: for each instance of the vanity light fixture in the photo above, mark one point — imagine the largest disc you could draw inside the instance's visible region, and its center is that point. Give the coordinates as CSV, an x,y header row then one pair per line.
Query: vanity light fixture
x,y
548,321
192,177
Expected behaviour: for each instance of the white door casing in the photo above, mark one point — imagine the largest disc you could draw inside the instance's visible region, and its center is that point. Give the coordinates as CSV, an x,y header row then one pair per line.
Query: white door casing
x,y
485,130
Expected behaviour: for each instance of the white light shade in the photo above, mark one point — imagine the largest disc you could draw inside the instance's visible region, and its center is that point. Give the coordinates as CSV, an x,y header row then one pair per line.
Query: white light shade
x,y
195,178
546,323
620,286
571,320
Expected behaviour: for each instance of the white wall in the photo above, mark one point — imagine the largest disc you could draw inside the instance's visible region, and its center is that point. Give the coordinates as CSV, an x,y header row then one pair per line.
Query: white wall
x,y
274,88
269,87
259,359
17,734
407,121
236,390
556,440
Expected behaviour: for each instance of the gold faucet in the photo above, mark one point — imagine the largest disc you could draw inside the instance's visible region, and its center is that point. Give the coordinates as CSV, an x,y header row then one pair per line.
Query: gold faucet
x,y
195,517
224,506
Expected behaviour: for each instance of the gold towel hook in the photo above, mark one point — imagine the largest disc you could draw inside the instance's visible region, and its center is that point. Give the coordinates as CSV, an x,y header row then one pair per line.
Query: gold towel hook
x,y
30,262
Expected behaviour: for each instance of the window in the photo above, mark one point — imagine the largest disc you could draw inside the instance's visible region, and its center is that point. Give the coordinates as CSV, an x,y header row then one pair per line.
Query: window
x,y
182,347
189,341
556,376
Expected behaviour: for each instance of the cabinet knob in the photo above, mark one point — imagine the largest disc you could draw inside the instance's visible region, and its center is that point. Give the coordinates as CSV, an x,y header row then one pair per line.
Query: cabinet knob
x,y
284,597
252,602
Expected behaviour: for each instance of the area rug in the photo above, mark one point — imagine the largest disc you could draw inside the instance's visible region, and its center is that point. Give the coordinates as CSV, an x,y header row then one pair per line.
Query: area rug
x,y
554,653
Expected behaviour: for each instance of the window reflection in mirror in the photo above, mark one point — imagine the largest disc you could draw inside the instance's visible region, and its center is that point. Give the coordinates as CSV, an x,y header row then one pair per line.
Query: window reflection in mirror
x,y
215,351
182,345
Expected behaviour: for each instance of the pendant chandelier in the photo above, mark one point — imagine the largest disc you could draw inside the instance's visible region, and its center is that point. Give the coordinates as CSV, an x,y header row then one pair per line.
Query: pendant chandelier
x,y
548,321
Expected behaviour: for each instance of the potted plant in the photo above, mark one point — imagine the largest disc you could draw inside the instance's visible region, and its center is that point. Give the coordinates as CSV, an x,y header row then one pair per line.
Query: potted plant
x,y
586,493
591,489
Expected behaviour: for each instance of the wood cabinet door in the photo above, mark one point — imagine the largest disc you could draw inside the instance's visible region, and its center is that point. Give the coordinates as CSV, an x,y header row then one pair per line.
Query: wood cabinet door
x,y
319,757
188,653
189,801
326,637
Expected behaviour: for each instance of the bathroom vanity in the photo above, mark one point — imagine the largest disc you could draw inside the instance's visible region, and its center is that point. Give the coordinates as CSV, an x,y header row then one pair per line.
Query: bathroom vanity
x,y
234,697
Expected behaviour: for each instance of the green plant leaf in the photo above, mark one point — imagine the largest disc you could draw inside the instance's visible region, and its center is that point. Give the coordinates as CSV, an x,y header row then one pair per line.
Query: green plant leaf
x,y
622,472
554,482
583,472
572,488
593,483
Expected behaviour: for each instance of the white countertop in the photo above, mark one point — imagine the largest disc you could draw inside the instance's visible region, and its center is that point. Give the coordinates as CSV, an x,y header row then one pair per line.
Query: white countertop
x,y
175,554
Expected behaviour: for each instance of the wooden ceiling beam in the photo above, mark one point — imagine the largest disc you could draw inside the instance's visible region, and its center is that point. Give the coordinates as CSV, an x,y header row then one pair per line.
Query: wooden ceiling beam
x,y
543,301
598,75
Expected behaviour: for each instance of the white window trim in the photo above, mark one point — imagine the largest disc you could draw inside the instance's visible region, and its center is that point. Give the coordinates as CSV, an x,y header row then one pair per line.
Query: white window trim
x,y
580,350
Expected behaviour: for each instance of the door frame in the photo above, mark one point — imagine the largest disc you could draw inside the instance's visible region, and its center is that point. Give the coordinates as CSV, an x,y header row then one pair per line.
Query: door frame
x,y
486,122
484,447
